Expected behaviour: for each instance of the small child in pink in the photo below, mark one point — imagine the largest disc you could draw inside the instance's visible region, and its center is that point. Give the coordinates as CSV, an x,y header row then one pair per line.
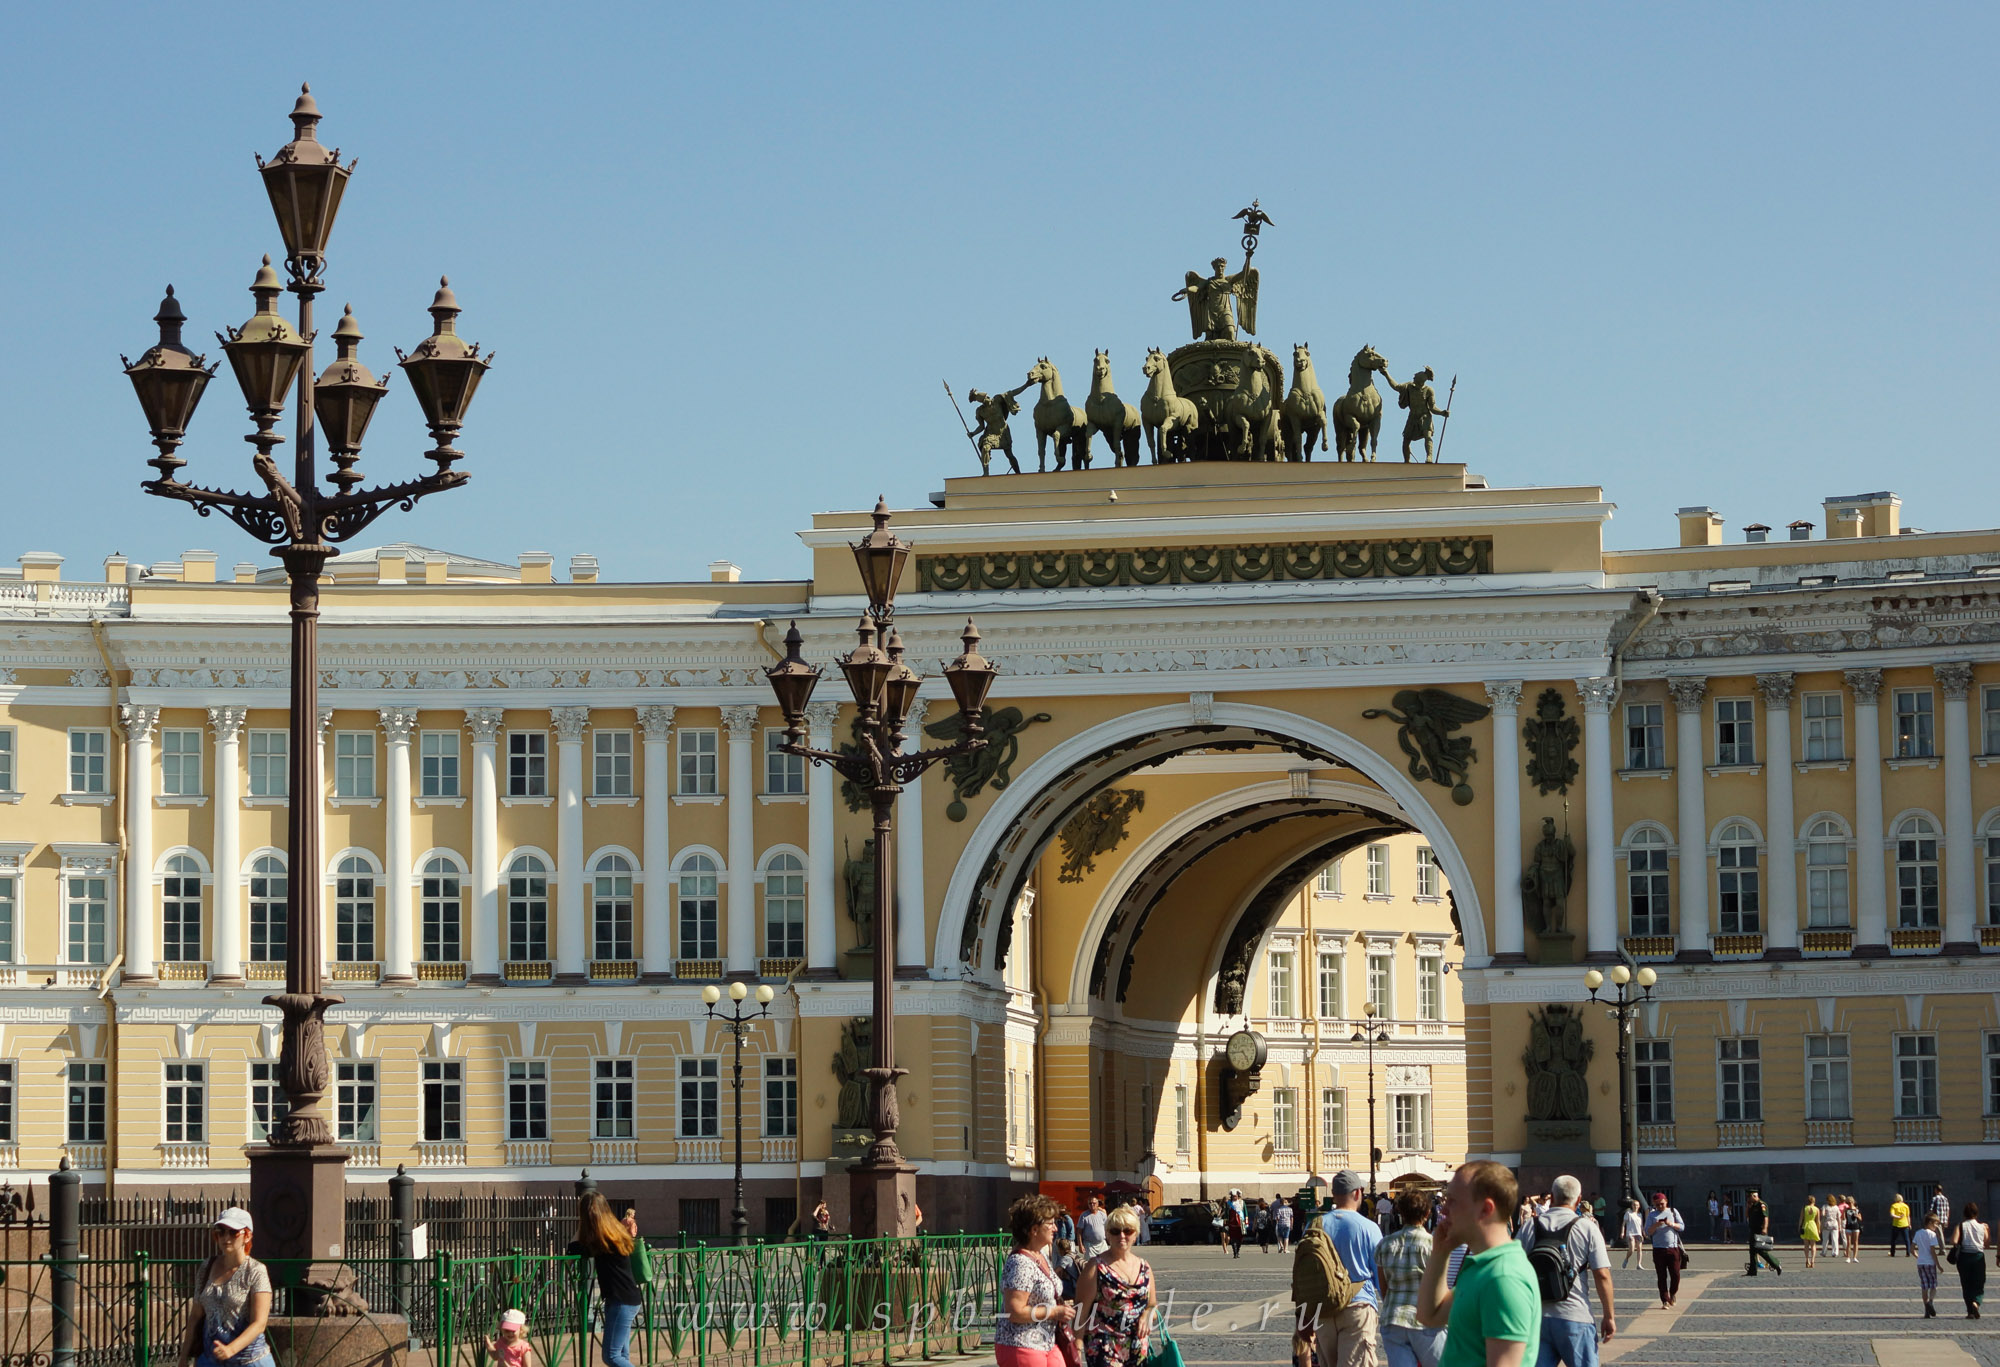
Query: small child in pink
x,y
510,1346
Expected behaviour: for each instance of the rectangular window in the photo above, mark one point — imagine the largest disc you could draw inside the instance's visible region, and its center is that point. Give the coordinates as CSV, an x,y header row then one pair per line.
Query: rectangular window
x,y
783,774
1742,1079
270,763
88,1094
614,1106
1916,728
9,909
354,913
1824,736
269,891
1285,1120
1989,718
1333,1120
89,751
1182,1138
86,914
1429,882
1736,882
1993,1074
180,911
1332,1003
527,764
701,1216
1013,1115
1828,1095
354,1101
1380,984
1284,973
7,760
1653,1067
781,1098
1410,1122
1430,987
1826,882
1916,1076
186,1102
1645,735
444,1100
527,1100
440,914
697,757
611,763
1646,885
701,1098
354,764
1735,731
6,1102
437,756
180,763
268,1103
785,908
1378,870
1329,880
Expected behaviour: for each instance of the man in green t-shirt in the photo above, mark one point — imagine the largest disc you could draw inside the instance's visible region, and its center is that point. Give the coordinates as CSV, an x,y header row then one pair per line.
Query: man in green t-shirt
x,y
1494,1310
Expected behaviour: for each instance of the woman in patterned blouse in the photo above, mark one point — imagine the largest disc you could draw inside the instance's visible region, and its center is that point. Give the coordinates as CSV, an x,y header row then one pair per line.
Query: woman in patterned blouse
x,y
1032,1304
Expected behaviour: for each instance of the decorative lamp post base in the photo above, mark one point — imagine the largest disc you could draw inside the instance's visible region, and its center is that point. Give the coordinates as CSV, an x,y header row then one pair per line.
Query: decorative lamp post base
x,y
300,1195
883,1200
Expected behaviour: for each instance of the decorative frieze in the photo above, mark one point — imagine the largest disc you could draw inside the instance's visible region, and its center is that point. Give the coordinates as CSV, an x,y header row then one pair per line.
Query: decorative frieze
x,y
1059,569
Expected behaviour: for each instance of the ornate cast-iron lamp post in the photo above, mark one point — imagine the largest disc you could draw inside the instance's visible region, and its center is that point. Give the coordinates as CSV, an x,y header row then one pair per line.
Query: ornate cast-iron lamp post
x,y
1371,1034
297,1179
736,1023
884,1187
1621,1010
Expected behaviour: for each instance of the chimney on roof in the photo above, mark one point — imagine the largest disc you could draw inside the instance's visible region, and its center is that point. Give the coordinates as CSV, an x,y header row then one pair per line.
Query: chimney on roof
x,y
392,565
198,567
245,572
1881,513
537,567
1801,531
583,569
1701,526
437,567
40,567
1756,531
723,572
1842,523
114,567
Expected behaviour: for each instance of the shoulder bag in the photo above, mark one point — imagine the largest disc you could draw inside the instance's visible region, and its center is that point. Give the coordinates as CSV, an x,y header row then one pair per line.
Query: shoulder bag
x,y
1066,1340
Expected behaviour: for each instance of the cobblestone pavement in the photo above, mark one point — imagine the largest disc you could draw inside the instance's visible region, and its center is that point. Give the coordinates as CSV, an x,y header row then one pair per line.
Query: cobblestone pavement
x,y
1833,1315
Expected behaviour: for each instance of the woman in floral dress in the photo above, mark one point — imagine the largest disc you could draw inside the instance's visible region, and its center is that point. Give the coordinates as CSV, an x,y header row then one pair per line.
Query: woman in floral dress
x,y
1114,1302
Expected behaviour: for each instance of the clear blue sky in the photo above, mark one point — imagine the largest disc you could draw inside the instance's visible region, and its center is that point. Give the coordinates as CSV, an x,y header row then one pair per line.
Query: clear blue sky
x,y
1730,254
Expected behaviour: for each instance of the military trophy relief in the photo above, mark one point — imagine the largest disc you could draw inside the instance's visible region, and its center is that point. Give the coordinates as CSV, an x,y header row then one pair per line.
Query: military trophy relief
x,y
1550,738
1557,1064
1218,397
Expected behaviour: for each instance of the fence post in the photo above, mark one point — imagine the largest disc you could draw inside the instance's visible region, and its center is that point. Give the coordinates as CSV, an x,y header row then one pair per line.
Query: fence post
x,y
65,1241
446,1346
403,1231
142,1306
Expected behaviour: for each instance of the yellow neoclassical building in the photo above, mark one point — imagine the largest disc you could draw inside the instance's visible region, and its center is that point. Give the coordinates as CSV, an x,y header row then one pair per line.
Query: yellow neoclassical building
x,y
554,811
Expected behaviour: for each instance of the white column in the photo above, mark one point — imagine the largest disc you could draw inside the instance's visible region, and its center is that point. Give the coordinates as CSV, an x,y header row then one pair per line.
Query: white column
x,y
1871,907
398,725
1600,839
138,947
742,949
822,915
225,951
1781,901
656,924
912,919
1692,821
485,724
1509,936
1961,890
572,903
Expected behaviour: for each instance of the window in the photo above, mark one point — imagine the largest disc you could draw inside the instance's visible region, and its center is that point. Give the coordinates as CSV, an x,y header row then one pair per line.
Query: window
x,y
1742,1078
437,757
1916,873
270,763
698,908
1430,987
9,908
1379,983
180,910
783,773
1285,1120
1333,1120
781,1098
87,1097
1182,1138
1993,1074
354,764
1378,870
1916,729
1645,735
6,1102
444,1100
1826,874
1735,732
697,756
527,764
1653,1069
785,907
611,763
701,1098
1284,972
1992,879
527,1100
1329,880
441,911
186,1103
354,1101
1429,882
88,754
268,1103
7,760
1410,1122
1989,712
611,908
180,763
1916,1076
527,909
1827,1093
269,890
701,1216
354,911
1646,883
1332,1000
1824,736
86,914
1736,880
612,1104
1013,1113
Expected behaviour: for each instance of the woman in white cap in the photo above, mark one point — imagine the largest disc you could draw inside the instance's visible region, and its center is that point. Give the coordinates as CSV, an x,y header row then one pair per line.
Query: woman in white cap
x,y
233,1303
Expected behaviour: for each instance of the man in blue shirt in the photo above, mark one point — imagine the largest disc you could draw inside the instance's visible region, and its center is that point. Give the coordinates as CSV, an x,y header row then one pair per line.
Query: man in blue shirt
x,y
1350,1340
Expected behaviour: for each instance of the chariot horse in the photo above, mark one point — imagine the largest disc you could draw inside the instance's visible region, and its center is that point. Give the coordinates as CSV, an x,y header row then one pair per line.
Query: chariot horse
x,y
1305,408
1357,414
1056,417
1170,422
1250,412
1105,412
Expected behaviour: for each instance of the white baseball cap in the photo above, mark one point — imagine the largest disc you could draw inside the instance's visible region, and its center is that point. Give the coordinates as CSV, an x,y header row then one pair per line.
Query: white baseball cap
x,y
513,1319
234,1217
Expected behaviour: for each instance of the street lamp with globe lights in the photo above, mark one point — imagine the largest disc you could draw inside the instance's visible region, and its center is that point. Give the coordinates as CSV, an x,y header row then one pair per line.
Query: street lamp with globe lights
x,y
1371,1034
1621,1009
736,1023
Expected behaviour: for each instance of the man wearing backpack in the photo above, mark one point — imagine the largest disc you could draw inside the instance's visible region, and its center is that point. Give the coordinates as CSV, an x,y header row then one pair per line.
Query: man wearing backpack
x,y
1339,1321
1562,1245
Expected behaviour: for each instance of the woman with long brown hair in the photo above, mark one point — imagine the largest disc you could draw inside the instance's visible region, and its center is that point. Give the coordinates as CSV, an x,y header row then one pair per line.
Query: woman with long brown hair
x,y
232,1303
607,1241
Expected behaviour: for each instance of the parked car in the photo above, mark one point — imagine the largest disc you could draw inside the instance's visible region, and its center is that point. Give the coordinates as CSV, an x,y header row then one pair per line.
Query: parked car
x,y
1189,1223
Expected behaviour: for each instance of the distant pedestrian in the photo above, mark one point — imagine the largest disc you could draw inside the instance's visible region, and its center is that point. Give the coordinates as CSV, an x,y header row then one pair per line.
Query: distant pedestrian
x,y
1899,1227
1232,1225
1090,1236
1756,1227
1665,1230
1714,1218
1597,1210
1969,1242
1728,1221
1630,1231
1853,1231
1941,1206
1282,1217
1809,1229
1834,1223
1929,1240
822,1219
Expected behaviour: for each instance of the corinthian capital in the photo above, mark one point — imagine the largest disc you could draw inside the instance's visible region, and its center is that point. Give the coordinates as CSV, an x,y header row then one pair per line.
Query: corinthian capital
x,y
1687,693
569,722
657,721
227,722
1504,694
1954,679
138,721
1777,690
741,719
398,724
820,718
1597,693
485,724
1866,685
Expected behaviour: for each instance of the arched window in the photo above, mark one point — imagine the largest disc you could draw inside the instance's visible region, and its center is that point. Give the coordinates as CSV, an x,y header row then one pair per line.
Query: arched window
x,y
699,937
1916,874
269,890
1736,880
612,908
1826,874
785,907
1646,883
354,911
443,911
180,905
527,909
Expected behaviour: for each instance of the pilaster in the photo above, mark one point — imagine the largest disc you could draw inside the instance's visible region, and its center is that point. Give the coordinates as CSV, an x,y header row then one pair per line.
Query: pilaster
x,y
1509,932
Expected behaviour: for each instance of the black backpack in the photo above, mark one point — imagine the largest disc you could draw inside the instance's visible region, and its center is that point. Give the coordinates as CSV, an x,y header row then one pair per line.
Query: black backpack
x,y
1555,1262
